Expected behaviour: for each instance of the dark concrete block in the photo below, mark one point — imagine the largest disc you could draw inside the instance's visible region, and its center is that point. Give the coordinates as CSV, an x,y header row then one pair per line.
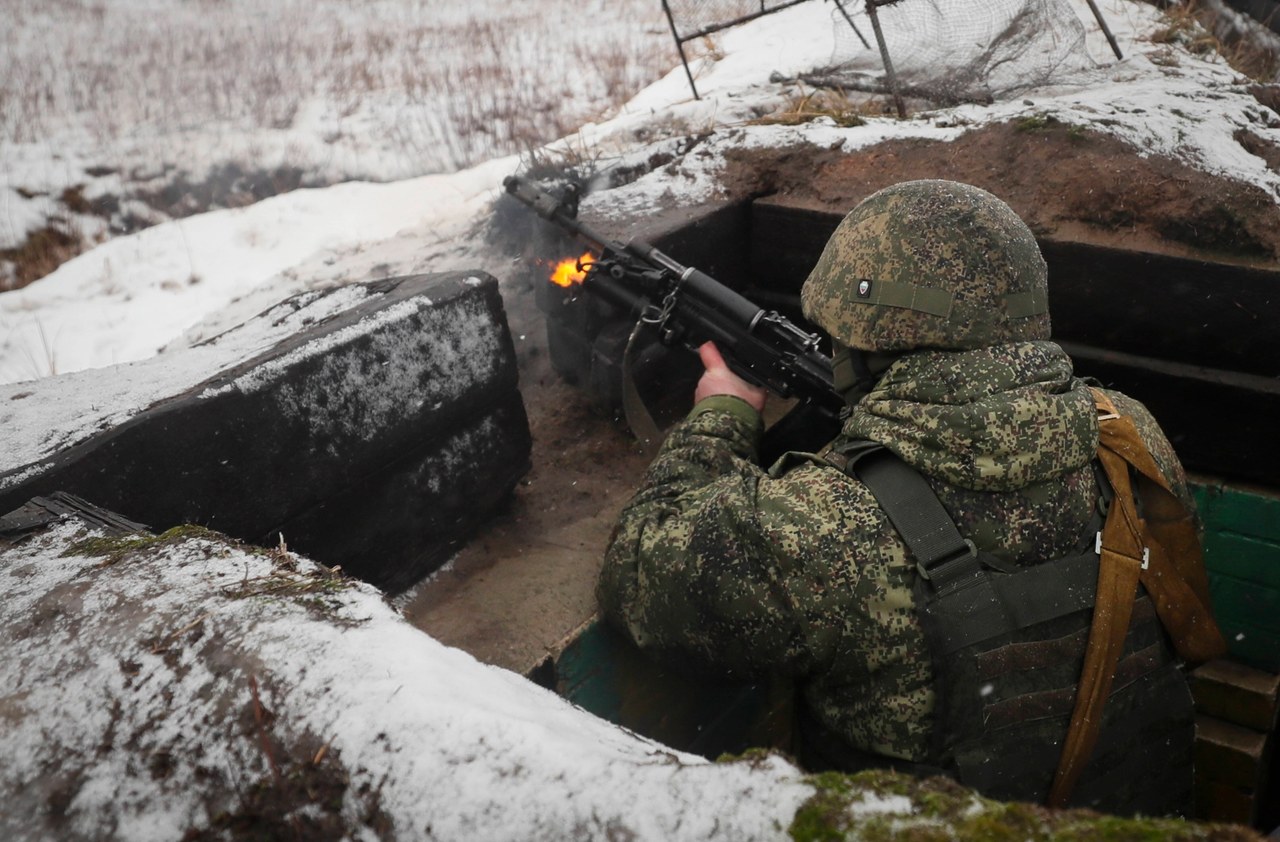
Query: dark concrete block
x,y
419,509
1237,693
377,439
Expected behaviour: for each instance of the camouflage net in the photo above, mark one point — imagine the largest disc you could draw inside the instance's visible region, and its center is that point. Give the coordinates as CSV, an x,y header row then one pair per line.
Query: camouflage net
x,y
965,50
942,51
949,51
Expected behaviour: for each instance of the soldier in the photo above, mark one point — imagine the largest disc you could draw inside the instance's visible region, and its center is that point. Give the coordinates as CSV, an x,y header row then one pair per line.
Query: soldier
x,y
960,654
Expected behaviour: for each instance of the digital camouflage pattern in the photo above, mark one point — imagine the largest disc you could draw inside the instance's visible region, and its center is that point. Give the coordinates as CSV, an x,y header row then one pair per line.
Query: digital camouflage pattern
x,y
719,565
929,264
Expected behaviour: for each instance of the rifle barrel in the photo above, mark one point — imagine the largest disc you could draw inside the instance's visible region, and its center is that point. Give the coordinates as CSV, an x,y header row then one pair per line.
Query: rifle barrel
x,y
550,208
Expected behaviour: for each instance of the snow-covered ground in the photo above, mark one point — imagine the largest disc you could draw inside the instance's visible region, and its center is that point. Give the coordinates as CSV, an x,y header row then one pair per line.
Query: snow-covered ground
x,y
124,112
135,294
124,687
478,733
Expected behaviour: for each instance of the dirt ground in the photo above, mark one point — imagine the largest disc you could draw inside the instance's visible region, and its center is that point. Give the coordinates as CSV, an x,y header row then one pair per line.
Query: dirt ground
x,y
520,588
1066,183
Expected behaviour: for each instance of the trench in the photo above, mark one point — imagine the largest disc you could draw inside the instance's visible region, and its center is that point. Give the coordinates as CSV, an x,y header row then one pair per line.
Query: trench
x,y
1194,340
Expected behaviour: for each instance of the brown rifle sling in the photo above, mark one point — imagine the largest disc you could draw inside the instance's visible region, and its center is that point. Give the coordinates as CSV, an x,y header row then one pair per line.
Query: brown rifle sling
x,y
1162,551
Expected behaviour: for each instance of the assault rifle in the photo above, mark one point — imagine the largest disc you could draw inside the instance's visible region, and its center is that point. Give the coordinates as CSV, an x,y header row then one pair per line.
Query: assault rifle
x,y
687,307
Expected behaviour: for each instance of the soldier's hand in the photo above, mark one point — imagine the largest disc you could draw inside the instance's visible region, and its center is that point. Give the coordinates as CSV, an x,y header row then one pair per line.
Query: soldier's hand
x,y
719,380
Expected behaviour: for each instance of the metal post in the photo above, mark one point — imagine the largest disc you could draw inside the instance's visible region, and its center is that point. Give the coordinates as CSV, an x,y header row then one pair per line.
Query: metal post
x,y
1106,30
852,25
884,56
680,46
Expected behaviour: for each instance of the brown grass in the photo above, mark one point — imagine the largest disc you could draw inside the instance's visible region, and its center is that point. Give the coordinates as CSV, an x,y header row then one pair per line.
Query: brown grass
x,y
420,89
1199,28
834,104
43,250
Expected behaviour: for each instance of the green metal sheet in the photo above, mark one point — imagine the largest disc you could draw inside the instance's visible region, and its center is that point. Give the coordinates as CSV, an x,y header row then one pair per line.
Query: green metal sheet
x,y
1245,601
1225,508
1251,645
1243,557
601,672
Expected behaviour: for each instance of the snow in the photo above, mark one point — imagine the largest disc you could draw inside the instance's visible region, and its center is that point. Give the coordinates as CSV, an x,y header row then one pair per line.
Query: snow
x,y
36,422
870,803
125,299
153,654
467,750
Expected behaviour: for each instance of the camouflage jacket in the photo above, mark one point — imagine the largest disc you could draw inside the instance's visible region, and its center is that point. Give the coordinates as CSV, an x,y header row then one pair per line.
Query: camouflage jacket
x,y
719,565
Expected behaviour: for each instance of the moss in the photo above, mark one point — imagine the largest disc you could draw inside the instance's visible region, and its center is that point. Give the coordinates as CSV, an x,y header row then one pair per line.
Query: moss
x,y
113,548
1036,123
752,756
942,809
825,815
885,782
316,586
315,590
1012,822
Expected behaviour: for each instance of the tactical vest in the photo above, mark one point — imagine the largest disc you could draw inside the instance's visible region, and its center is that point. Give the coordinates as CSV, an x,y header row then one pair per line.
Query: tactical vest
x,y
1008,646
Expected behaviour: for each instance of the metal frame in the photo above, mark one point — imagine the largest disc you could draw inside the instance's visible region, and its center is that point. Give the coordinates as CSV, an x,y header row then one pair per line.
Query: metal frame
x,y
871,6
707,30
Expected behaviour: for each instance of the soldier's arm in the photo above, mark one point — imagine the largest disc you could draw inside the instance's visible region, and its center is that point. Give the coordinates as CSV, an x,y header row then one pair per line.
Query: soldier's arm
x,y
689,575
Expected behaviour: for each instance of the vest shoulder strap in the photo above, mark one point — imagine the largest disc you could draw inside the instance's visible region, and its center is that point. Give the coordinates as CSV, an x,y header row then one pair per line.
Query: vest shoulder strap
x,y
943,556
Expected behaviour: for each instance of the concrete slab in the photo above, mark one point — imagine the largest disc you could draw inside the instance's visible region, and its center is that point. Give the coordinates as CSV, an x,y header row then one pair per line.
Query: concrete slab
x,y
375,438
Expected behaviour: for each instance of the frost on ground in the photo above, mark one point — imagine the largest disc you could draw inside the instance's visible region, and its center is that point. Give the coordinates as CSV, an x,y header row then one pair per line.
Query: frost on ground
x,y
121,114
127,298
157,686
186,686
37,420
125,683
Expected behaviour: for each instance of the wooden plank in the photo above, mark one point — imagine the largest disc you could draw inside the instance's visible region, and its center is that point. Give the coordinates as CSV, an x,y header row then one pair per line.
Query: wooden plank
x,y
1143,303
1218,802
1168,307
1229,754
1219,421
786,242
1237,694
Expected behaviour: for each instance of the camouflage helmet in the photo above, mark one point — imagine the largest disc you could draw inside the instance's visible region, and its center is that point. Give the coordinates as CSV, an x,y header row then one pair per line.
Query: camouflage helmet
x,y
929,264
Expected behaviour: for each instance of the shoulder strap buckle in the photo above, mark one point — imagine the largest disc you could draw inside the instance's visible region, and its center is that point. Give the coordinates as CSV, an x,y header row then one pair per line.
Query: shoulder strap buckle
x,y
963,559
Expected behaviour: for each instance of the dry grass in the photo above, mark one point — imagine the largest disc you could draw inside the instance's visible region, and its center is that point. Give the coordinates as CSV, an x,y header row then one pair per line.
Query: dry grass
x,y
836,105
479,85
43,250
329,90
1199,28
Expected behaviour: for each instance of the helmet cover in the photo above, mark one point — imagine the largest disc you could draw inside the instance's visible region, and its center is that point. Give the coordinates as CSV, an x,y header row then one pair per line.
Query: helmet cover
x,y
929,264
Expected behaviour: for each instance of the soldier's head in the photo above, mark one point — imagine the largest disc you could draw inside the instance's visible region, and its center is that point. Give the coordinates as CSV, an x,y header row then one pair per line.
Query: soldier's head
x,y
929,264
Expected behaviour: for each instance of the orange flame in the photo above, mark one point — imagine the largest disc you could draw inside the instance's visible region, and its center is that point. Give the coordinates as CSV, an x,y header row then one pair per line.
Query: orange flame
x,y
567,271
